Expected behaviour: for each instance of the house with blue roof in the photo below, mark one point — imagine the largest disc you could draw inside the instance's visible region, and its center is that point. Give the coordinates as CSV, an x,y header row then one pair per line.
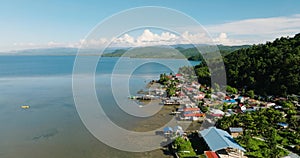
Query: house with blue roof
x,y
283,125
221,142
168,131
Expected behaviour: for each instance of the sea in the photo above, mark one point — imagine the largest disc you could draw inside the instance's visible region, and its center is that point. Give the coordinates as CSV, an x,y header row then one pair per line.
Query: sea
x,y
51,127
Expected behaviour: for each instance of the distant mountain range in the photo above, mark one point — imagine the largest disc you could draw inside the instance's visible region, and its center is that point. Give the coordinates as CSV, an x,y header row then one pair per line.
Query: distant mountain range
x,y
53,51
172,51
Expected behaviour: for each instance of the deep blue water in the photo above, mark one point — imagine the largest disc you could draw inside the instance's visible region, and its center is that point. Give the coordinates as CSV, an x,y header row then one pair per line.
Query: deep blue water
x,y
52,127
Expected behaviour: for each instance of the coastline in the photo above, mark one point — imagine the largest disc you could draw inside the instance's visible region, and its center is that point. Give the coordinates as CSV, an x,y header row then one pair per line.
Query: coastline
x,y
157,120
161,118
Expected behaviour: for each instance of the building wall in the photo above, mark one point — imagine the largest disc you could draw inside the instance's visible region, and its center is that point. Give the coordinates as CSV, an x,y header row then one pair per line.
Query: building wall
x,y
234,135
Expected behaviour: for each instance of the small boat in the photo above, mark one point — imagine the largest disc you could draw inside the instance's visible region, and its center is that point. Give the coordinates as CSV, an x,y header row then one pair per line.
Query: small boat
x,y
175,112
25,106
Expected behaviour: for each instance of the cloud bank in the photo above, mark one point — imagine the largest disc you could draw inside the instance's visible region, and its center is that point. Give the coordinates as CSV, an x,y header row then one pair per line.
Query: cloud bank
x,y
248,31
258,30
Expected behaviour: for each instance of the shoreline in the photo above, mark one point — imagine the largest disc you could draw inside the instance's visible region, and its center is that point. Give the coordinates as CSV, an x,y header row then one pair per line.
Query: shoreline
x,y
159,120
156,121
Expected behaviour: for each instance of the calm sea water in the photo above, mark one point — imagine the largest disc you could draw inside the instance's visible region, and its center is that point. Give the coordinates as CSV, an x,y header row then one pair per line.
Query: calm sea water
x,y
51,128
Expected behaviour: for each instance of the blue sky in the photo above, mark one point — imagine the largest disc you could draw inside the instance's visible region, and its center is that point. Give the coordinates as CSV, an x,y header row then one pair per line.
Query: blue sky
x,y
33,24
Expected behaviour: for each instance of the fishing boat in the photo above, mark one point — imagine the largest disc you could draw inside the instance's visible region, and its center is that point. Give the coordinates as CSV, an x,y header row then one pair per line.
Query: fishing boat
x,y
25,106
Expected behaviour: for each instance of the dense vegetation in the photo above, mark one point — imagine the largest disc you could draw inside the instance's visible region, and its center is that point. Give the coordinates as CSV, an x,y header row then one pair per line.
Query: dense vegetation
x,y
271,68
183,147
267,69
262,135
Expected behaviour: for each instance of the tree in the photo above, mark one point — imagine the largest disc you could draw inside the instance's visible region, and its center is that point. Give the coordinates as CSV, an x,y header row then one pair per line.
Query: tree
x,y
171,91
231,90
293,122
263,124
203,108
268,69
163,79
203,74
250,93
272,143
181,145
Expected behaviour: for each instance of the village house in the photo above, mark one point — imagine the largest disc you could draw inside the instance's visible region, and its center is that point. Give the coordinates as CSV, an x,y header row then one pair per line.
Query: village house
x,y
235,131
191,114
221,143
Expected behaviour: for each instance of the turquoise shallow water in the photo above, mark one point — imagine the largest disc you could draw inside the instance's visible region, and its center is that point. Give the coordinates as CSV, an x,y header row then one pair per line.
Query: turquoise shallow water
x,y
52,127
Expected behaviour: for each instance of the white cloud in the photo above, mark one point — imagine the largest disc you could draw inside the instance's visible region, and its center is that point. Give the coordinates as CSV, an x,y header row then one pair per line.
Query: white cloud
x,y
55,44
248,31
224,40
223,36
148,36
125,40
167,36
145,39
91,43
195,38
258,30
260,25
29,45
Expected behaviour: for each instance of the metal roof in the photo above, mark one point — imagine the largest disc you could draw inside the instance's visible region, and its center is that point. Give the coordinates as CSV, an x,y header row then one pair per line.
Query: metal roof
x,y
218,139
229,101
211,154
168,129
235,129
282,124
191,109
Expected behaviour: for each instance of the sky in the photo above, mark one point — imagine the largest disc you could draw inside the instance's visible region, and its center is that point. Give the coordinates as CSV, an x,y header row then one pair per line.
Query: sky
x,y
27,24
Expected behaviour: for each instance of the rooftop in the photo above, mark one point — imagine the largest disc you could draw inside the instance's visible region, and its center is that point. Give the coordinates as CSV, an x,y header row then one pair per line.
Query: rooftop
x,y
218,139
211,154
235,129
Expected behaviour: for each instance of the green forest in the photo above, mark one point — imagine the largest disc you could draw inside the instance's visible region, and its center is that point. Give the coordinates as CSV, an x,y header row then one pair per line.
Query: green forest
x,y
267,69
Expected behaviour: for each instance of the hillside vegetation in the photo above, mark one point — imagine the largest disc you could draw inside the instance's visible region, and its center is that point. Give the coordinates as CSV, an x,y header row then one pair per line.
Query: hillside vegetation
x,y
267,69
271,68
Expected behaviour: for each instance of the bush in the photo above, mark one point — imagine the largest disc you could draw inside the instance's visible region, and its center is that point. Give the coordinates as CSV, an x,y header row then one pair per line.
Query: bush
x,y
184,147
